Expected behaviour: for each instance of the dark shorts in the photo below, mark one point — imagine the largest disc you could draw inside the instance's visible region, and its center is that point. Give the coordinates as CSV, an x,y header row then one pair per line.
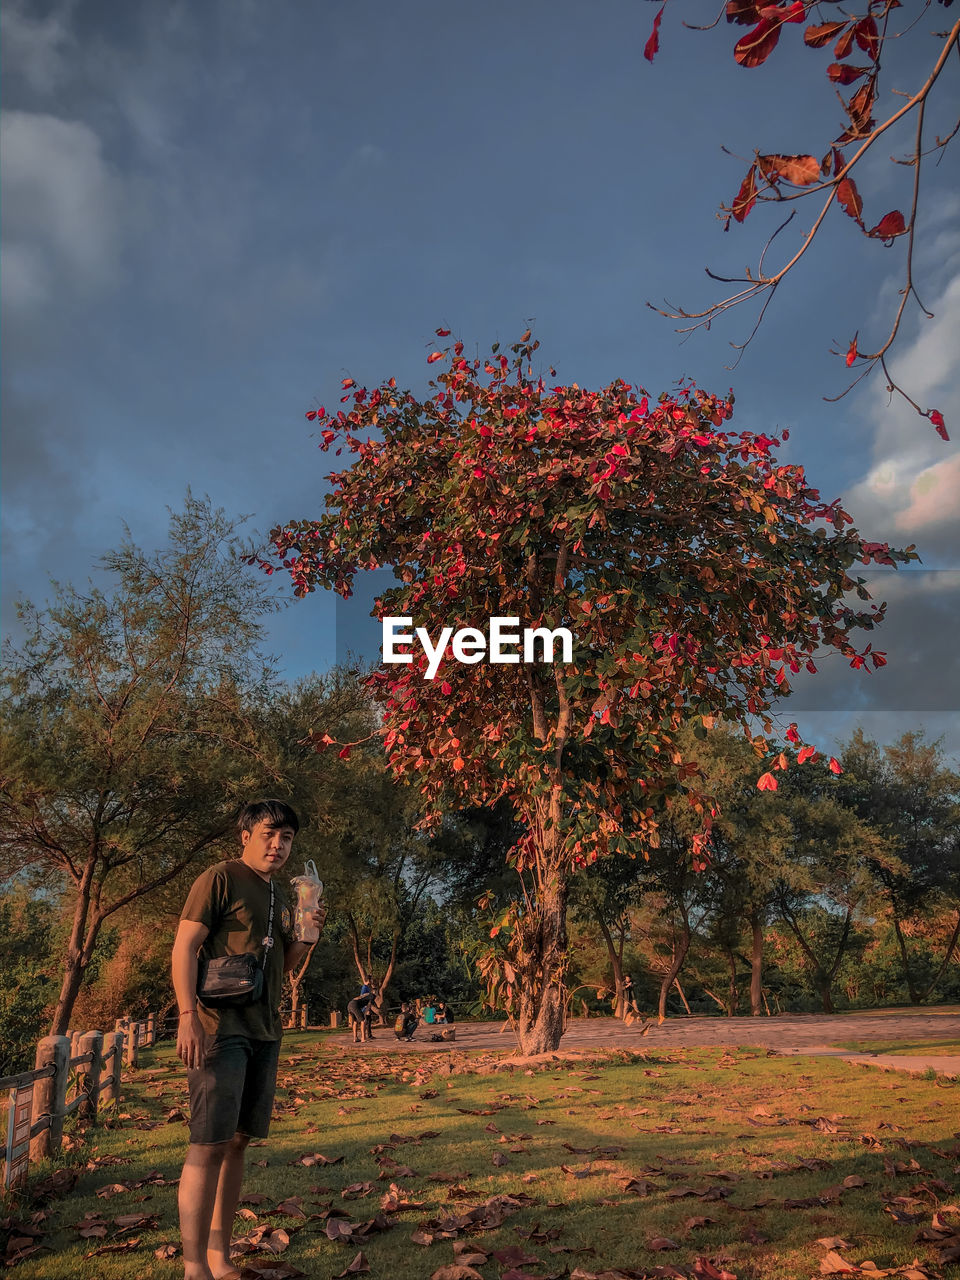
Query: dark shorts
x,y
233,1091
357,1013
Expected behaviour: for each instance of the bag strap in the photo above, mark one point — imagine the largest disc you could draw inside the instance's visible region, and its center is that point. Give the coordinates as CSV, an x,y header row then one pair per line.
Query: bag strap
x,y
268,940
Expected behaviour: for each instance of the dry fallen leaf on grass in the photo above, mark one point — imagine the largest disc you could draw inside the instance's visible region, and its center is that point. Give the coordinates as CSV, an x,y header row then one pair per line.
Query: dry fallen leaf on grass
x,y
355,1267
831,1264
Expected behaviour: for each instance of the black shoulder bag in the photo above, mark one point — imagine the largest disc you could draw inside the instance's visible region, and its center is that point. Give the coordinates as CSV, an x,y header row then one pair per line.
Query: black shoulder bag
x,y
230,982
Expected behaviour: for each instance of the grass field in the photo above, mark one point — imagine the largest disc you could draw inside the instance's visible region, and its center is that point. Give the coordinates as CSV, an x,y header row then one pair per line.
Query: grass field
x,y
736,1158
920,1048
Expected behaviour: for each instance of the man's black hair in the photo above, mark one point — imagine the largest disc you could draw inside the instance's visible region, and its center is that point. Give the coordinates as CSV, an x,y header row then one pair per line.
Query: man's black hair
x,y
275,812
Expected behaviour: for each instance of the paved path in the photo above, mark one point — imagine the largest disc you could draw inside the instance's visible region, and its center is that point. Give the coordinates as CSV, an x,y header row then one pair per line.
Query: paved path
x,y
787,1033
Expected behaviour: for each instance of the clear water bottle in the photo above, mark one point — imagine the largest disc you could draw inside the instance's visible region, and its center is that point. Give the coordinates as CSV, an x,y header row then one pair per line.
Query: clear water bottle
x,y
309,889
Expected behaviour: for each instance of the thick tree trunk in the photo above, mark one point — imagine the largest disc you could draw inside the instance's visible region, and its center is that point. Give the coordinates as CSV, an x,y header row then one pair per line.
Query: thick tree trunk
x,y
756,967
541,968
69,990
826,998
83,937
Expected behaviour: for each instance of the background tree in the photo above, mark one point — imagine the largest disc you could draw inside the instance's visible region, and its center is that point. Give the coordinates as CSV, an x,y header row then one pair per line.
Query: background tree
x,y
28,926
749,843
909,793
128,730
602,899
694,572
864,40
824,884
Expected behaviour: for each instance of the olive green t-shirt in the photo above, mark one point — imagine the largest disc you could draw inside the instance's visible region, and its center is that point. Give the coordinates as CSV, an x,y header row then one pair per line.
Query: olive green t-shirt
x,y
234,903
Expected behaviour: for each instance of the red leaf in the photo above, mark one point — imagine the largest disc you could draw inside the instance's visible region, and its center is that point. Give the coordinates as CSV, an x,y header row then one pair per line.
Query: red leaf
x,y
817,37
742,11
766,782
889,226
348,383
792,735
434,355
849,197
446,689
835,766
311,415
652,46
936,417
867,38
458,764
844,44
858,109
806,753
746,197
799,170
345,753
852,353
442,333
844,73
756,46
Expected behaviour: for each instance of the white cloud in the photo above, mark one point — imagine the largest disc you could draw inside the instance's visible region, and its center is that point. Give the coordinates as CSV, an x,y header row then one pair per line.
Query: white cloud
x,y
61,218
911,492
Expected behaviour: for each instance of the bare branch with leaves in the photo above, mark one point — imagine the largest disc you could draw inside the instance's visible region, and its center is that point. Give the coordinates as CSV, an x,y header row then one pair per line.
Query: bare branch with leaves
x,y
859,40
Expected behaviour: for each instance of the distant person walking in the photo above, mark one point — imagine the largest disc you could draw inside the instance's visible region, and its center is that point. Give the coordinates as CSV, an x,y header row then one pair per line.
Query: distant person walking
x,y
360,1012
629,996
229,1034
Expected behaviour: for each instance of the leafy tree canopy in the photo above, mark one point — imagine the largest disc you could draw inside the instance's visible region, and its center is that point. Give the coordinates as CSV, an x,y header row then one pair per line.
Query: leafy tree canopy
x,y
695,572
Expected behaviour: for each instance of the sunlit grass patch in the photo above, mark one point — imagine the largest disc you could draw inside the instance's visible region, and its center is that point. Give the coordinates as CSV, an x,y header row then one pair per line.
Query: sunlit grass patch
x,y
734,1155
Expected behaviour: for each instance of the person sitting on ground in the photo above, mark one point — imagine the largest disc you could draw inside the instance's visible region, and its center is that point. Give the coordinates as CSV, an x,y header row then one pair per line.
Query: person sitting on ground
x,y
406,1023
430,1012
444,1012
358,1012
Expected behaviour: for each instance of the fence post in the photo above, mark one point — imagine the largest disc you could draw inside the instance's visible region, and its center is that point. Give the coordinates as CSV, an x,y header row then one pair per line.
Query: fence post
x,y
113,1054
131,1043
50,1095
151,1029
92,1042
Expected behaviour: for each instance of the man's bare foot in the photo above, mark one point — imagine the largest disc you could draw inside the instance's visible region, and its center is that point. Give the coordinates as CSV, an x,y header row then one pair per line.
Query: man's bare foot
x,y
221,1269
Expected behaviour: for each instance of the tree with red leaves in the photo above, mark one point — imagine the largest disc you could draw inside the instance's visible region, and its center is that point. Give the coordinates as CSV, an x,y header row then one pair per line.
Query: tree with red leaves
x,y
694,571
858,37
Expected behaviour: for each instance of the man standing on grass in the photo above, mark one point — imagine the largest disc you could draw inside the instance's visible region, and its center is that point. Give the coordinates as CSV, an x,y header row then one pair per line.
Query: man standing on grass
x,y
231,1053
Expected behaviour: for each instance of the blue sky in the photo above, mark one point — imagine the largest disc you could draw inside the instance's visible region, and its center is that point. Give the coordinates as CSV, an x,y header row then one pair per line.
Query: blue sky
x,y
214,212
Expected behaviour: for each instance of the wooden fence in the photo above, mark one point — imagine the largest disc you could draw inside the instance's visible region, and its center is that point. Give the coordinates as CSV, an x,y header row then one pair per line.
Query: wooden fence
x,y
78,1072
